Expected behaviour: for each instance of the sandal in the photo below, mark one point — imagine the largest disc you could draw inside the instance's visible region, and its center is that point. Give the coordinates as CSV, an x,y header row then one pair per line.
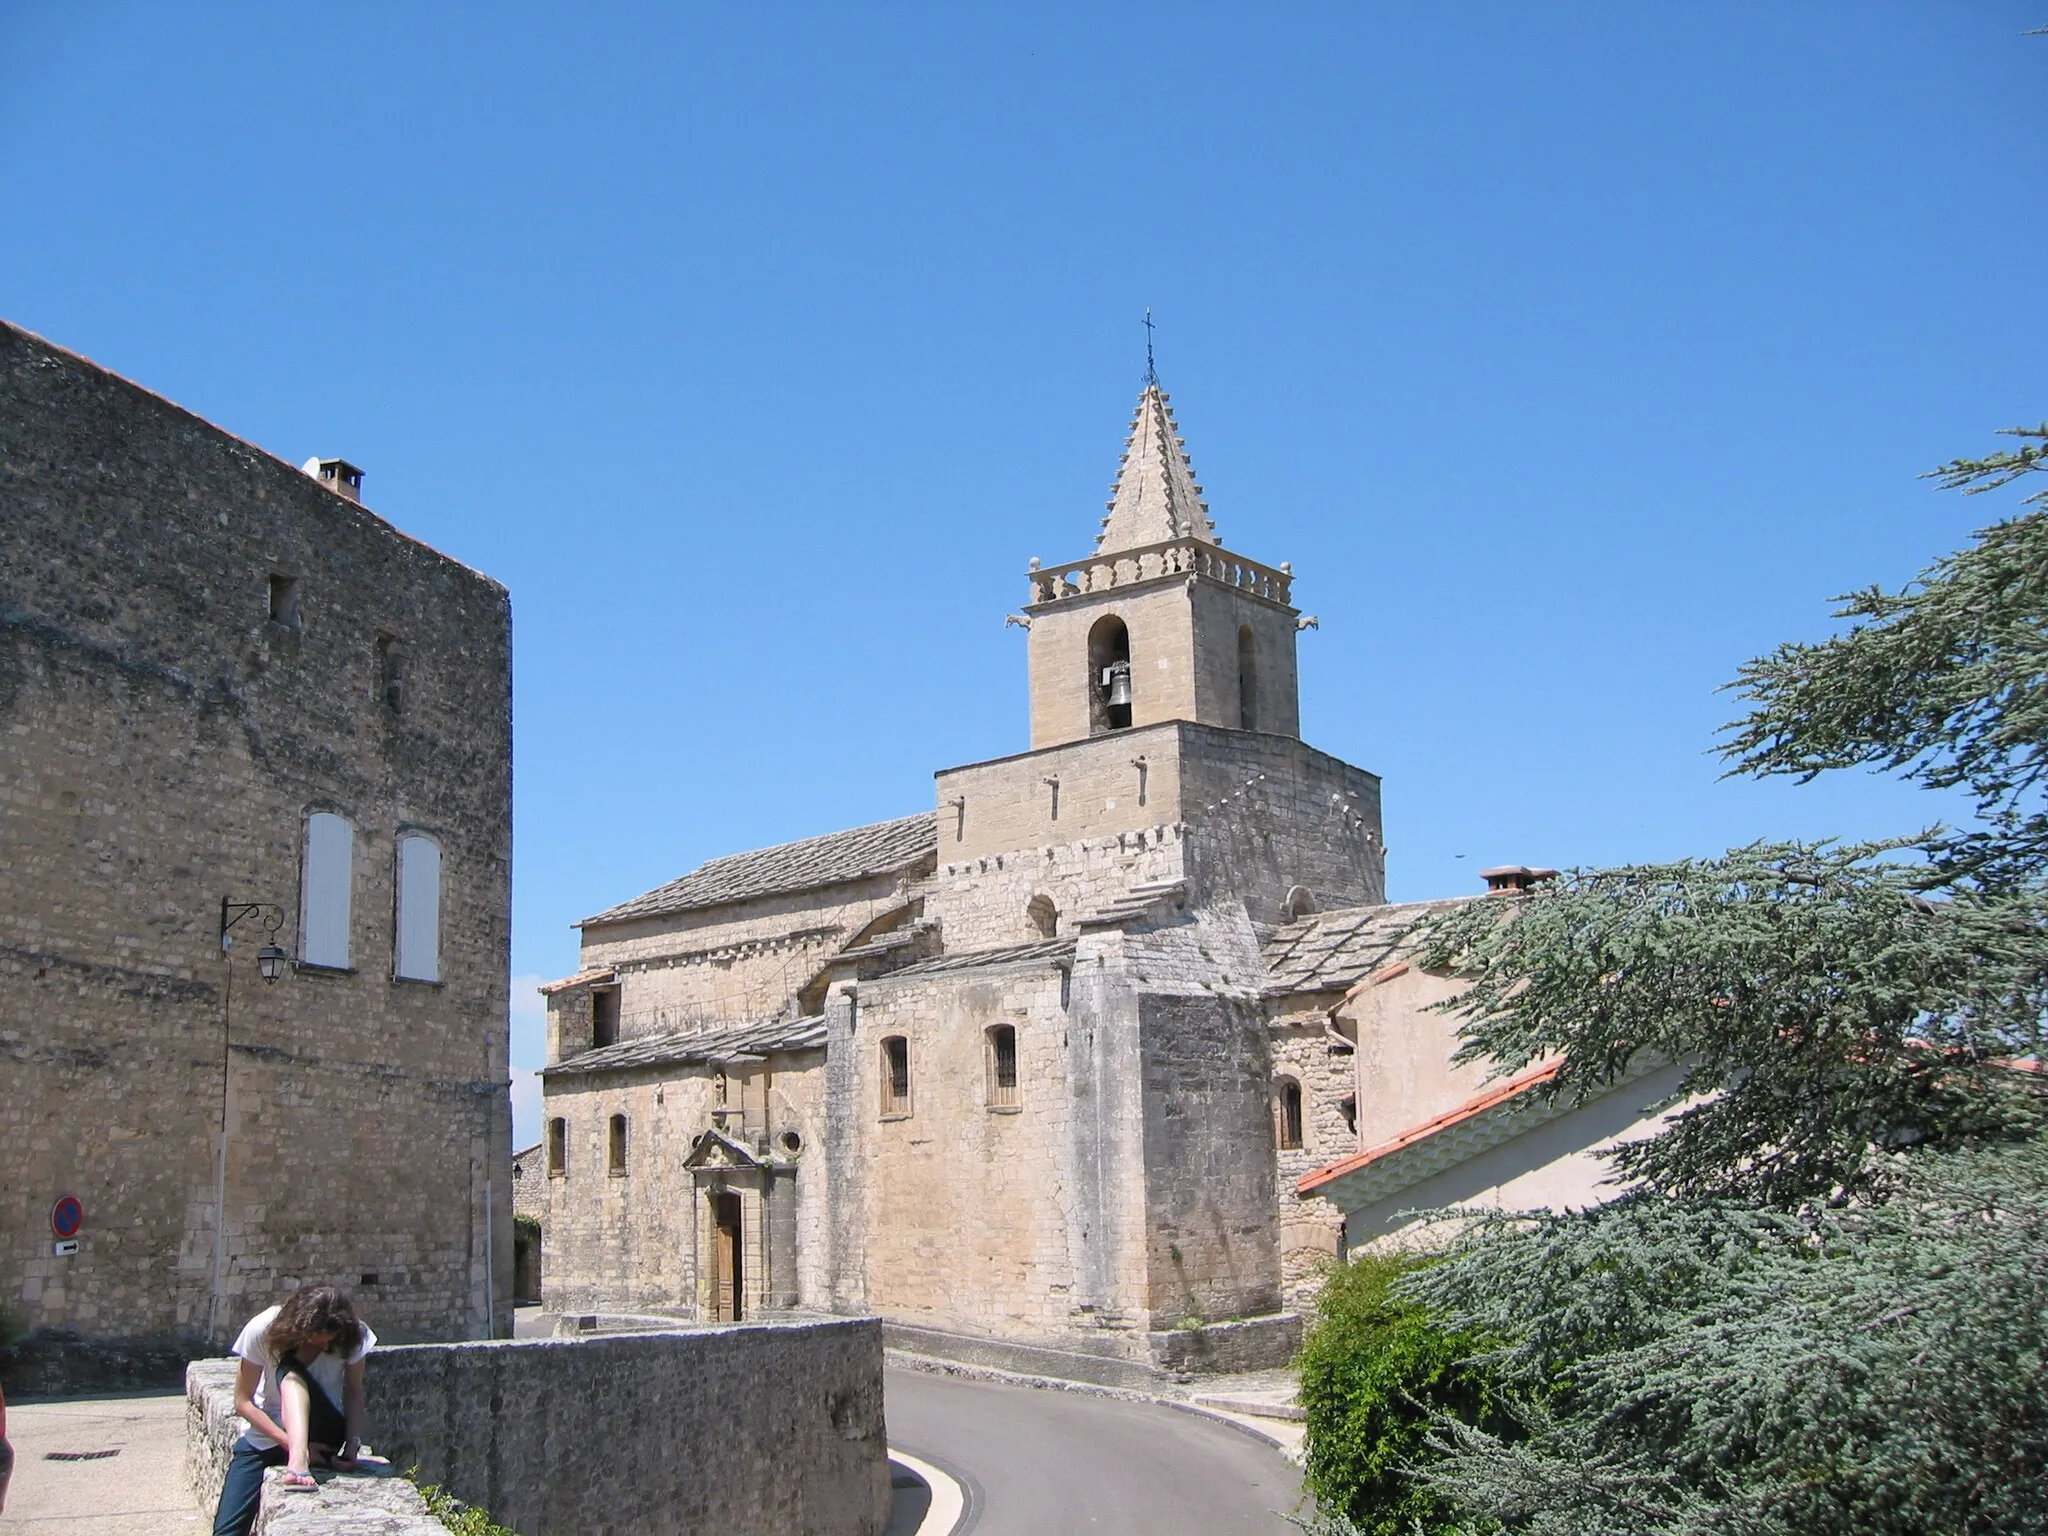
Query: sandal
x,y
297,1482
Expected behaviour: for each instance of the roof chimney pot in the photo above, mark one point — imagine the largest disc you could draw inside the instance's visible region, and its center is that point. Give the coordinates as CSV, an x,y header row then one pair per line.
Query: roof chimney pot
x,y
339,476
1509,879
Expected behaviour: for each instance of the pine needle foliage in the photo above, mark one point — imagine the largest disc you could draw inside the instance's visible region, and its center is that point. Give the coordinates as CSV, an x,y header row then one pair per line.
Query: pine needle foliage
x,y
1685,1368
1945,681
1375,1369
1812,991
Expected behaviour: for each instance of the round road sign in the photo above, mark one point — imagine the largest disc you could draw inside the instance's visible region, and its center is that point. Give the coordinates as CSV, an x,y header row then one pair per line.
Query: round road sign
x,y
67,1216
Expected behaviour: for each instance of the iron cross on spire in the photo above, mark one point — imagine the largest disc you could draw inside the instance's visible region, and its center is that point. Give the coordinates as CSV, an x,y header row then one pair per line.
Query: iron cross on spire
x,y
1151,372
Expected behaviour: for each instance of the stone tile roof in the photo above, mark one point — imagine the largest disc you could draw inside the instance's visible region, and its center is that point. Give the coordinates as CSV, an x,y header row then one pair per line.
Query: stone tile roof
x,y
1155,497
1332,951
682,1047
975,959
833,859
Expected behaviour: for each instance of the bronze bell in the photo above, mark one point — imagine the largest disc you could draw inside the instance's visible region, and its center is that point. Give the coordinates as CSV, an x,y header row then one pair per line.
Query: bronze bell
x,y
1116,677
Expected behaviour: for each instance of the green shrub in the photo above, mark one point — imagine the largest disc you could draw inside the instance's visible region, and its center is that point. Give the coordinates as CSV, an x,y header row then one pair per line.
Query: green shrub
x,y
1374,1368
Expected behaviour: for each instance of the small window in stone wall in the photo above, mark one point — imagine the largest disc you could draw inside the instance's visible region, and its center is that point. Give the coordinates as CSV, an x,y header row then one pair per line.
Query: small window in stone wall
x,y
390,673
1348,1108
1287,1115
558,1146
1002,1067
284,601
618,1144
895,1075
418,955
604,1017
328,881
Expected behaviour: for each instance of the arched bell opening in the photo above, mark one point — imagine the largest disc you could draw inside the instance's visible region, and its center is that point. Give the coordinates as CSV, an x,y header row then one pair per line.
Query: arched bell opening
x,y
1109,676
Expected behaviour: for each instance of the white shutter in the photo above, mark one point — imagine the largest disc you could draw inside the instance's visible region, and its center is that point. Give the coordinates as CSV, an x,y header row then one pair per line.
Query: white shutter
x,y
329,880
419,908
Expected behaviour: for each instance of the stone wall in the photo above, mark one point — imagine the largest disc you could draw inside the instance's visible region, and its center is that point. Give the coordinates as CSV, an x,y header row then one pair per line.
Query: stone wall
x,y
1312,1230
961,1214
1268,813
776,1430
163,739
636,1239
727,964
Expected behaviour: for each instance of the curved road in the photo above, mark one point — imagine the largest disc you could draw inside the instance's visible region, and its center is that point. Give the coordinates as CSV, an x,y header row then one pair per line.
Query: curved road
x,y
1038,1462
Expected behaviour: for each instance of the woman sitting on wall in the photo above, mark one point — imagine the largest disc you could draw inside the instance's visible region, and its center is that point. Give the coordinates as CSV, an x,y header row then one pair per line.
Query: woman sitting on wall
x,y
300,1390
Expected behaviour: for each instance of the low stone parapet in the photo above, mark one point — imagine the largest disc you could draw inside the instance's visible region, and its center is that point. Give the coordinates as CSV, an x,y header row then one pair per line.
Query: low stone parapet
x,y
774,1429
345,1504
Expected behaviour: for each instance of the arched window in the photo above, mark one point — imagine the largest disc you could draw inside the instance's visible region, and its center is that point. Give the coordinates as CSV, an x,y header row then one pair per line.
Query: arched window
x,y
1002,1066
419,908
1247,681
558,1146
618,1144
1042,917
1109,676
1300,903
1287,1115
895,1075
328,884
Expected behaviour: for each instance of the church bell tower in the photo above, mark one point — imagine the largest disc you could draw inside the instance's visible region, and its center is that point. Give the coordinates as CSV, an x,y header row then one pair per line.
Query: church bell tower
x,y
1161,622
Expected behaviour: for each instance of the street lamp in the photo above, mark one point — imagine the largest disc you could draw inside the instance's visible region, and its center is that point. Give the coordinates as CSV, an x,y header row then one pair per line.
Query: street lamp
x,y
269,917
269,959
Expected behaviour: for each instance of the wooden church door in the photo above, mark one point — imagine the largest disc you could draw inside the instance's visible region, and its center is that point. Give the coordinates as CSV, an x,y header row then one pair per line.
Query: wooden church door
x,y
726,1256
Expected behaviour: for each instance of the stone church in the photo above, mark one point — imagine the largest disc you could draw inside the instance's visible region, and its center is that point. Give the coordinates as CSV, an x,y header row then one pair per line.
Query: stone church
x,y
1039,1066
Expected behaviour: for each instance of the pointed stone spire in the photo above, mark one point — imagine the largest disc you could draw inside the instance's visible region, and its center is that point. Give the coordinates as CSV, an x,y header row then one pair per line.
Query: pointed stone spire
x,y
1156,495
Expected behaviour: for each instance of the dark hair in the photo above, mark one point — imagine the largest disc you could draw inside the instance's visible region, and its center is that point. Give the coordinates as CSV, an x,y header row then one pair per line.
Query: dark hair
x,y
310,1310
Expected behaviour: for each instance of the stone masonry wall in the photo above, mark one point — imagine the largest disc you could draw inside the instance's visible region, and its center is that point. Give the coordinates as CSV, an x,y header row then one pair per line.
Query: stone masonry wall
x,y
960,1214
630,1241
983,903
750,1430
734,963
1311,1230
1159,620
162,741
1219,612
1267,813
1009,804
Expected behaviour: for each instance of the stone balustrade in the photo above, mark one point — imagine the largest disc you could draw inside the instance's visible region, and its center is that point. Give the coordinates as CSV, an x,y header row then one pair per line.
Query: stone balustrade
x,y
1149,562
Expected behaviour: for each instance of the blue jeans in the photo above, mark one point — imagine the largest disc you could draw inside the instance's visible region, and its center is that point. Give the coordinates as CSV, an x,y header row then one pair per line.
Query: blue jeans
x,y
242,1493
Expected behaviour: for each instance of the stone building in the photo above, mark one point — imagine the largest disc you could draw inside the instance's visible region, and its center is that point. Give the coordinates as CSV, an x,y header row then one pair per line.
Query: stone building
x,y
1013,1068
234,699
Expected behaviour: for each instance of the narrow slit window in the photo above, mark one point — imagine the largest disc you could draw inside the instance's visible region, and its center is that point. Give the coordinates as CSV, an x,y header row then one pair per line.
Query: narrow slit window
x,y
558,1146
328,885
419,908
618,1144
1002,1067
1247,680
895,1075
604,1017
390,673
1287,1115
284,601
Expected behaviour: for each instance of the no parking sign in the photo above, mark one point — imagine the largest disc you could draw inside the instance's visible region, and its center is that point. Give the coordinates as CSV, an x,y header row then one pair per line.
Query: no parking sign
x,y
67,1216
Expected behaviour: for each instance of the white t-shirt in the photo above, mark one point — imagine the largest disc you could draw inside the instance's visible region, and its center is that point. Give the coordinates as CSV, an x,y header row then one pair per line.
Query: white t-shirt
x,y
330,1370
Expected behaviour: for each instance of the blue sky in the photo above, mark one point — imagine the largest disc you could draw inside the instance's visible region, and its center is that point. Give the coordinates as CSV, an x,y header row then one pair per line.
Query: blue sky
x,y
1572,354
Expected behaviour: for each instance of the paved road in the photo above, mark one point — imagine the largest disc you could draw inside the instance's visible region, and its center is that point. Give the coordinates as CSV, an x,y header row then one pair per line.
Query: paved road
x,y
1041,1463
139,1491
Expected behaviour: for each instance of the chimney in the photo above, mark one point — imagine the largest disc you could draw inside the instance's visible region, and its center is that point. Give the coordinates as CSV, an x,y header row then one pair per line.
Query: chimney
x,y
1511,879
339,476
